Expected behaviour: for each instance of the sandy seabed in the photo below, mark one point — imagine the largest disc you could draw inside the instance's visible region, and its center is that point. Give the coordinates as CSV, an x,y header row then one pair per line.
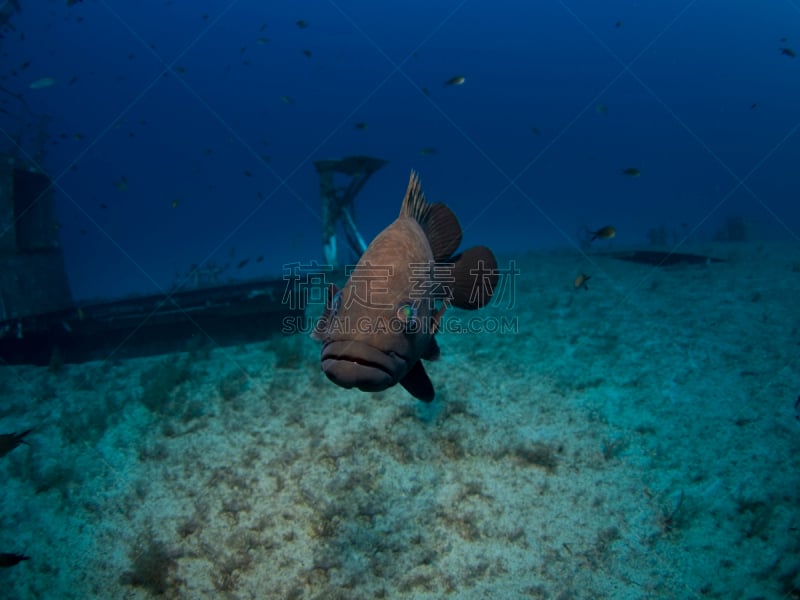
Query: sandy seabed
x,y
638,439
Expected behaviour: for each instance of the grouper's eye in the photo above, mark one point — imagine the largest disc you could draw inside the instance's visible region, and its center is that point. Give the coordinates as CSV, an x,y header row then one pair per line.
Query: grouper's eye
x,y
407,314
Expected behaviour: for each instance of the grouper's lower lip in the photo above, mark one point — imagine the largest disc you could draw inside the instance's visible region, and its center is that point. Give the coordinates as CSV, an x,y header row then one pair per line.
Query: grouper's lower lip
x,y
358,365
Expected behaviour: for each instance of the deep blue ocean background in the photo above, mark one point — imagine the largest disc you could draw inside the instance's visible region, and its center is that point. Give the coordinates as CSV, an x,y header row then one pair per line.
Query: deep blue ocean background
x,y
213,113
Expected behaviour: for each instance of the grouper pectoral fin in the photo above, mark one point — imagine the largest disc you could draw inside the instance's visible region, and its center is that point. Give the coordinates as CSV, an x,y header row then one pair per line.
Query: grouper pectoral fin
x,y
418,384
474,276
432,351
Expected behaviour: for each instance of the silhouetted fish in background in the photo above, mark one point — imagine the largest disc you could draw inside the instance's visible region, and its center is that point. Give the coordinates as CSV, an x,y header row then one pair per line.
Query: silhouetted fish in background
x,y
377,328
604,233
9,441
9,559
455,81
580,281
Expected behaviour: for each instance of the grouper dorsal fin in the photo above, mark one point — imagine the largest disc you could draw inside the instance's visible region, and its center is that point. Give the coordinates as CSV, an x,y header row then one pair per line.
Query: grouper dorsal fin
x,y
437,221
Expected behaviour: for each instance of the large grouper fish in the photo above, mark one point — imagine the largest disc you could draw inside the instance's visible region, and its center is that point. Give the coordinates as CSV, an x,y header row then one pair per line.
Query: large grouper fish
x,y
375,330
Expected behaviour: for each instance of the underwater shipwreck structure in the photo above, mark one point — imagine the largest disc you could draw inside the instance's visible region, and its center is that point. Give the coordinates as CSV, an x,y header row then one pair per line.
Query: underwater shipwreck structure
x,y
338,203
41,324
33,278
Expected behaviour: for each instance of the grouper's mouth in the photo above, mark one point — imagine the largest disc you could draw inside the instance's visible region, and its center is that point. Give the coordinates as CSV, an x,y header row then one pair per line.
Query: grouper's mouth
x,y
353,364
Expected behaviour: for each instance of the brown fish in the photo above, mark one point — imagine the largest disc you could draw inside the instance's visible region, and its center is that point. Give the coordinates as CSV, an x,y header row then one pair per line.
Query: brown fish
x,y
604,233
9,441
377,328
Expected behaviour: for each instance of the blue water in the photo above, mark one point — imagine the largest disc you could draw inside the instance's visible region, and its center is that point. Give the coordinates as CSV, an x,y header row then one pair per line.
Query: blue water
x,y
638,439
182,98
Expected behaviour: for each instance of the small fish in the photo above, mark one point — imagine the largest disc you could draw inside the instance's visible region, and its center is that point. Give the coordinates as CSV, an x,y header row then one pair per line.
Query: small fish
x,y
375,339
361,125
9,559
631,172
181,70
602,109
618,24
42,83
73,2
788,52
262,40
425,91
459,80
536,131
307,53
25,65
753,106
427,151
259,259
242,263
72,80
287,100
604,233
248,173
122,184
301,24
580,281
176,203
9,441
